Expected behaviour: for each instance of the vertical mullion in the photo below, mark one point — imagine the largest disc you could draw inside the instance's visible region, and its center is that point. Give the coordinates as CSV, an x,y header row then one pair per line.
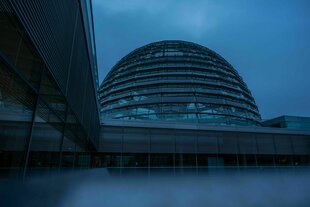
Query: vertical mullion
x,y
238,151
174,152
149,151
196,152
62,137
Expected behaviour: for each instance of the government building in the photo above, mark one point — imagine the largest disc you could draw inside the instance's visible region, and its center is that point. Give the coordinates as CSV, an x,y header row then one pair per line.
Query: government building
x,y
167,108
176,107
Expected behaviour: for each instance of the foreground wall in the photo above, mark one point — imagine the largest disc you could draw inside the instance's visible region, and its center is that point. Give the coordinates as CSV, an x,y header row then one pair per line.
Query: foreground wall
x,y
159,147
48,84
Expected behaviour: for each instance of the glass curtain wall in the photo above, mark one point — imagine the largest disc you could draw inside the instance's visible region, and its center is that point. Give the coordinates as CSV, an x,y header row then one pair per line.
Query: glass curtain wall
x,y
39,133
151,151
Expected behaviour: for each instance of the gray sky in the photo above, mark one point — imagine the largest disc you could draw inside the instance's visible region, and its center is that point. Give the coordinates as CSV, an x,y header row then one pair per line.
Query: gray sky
x,y
267,42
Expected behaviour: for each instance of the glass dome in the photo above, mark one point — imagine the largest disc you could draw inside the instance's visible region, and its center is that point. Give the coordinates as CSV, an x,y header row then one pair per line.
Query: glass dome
x,y
177,81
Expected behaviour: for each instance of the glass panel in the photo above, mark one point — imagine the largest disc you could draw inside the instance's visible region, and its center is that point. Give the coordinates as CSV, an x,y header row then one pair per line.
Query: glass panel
x,y
111,160
228,143
283,160
68,156
227,160
15,45
247,160
283,144
16,110
82,160
10,34
206,160
161,160
185,142
207,143
136,140
185,160
74,132
247,143
301,160
46,141
300,144
29,62
51,94
265,143
265,160
162,141
111,140
135,160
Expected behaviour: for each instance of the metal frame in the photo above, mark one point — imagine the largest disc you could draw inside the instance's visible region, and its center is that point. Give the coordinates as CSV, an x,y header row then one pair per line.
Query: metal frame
x,y
171,65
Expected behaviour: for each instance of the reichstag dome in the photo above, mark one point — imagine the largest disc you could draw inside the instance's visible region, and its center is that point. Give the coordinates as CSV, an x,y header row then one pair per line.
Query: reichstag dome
x,y
177,81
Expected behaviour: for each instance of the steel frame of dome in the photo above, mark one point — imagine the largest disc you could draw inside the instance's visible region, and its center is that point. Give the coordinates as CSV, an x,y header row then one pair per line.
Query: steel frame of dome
x,y
177,81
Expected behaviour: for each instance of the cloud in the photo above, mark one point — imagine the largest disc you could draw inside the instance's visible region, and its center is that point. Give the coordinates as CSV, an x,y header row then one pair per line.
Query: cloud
x,y
113,7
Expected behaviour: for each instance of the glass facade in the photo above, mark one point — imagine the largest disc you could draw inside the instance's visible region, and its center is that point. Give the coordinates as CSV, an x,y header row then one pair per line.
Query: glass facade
x,y
130,149
289,122
49,117
41,128
177,81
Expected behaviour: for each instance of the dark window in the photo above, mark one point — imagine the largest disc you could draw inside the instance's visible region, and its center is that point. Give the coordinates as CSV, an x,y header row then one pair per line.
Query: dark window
x,y
265,160
301,160
283,160
110,160
227,160
247,160
135,160
205,160
161,160
185,160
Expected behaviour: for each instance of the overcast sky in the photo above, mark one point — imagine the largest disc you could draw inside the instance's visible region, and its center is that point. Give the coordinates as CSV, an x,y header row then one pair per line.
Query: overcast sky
x,y
267,42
